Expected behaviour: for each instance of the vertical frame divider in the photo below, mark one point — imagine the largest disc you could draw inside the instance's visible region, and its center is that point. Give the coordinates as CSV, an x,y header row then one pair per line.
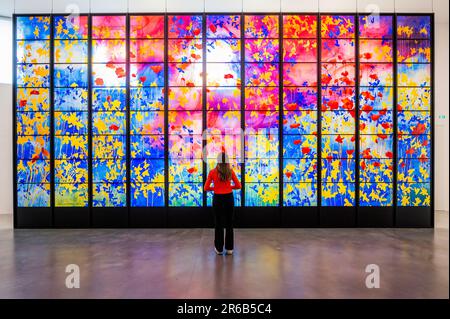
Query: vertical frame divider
x,y
52,126
243,134
166,117
280,114
128,116
394,114
204,113
319,114
14,117
357,132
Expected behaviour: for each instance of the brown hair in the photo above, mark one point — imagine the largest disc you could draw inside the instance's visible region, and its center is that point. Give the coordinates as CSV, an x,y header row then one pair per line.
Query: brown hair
x,y
223,167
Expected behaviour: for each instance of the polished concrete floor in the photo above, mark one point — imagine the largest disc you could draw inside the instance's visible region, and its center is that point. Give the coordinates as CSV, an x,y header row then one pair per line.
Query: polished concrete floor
x,y
268,263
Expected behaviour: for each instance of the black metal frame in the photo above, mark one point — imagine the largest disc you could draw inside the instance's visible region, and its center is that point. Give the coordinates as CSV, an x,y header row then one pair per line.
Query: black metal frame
x,y
70,217
421,216
278,216
339,216
140,217
29,217
378,216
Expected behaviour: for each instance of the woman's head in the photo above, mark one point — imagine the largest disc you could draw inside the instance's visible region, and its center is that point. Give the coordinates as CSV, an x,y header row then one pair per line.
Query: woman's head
x,y
223,167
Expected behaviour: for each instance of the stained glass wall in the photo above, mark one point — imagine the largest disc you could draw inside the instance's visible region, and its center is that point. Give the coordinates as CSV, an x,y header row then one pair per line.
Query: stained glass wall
x,y
121,110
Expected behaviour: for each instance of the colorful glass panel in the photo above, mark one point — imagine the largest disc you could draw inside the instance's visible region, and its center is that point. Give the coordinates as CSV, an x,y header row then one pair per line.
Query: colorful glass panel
x,y
414,110
109,111
33,111
262,79
376,120
223,81
338,116
185,118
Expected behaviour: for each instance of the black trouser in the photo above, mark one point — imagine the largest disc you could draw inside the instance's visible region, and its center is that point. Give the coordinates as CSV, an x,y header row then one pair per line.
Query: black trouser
x,y
223,205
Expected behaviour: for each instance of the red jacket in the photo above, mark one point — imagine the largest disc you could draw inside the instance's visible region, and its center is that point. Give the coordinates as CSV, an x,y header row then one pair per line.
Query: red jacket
x,y
221,187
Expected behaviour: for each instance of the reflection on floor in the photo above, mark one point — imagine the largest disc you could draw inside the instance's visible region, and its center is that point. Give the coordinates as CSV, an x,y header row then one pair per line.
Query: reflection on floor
x,y
268,263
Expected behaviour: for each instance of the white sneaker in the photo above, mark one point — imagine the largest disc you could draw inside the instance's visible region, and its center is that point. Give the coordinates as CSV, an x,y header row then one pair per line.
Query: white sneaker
x,y
229,252
217,252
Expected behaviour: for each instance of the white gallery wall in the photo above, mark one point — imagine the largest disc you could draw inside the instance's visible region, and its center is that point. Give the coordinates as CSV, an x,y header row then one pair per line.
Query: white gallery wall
x,y
439,7
6,158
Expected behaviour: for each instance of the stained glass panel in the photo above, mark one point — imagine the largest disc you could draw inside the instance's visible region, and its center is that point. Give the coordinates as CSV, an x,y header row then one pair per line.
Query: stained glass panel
x,y
185,102
185,50
223,26
109,115
223,93
33,52
71,51
147,27
70,114
147,99
33,28
108,51
108,27
32,111
185,26
297,50
70,27
300,57
376,26
414,110
413,27
299,26
338,116
261,26
337,27
376,120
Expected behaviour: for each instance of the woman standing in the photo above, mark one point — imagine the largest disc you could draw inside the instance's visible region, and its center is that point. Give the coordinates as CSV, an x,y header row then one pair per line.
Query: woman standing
x,y
223,202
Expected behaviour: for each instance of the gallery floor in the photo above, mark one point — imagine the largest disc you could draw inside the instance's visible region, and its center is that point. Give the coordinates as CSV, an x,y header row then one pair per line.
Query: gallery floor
x,y
268,263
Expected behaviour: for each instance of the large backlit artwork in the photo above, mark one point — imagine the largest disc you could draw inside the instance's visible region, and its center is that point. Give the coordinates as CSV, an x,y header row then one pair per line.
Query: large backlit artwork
x,y
132,110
